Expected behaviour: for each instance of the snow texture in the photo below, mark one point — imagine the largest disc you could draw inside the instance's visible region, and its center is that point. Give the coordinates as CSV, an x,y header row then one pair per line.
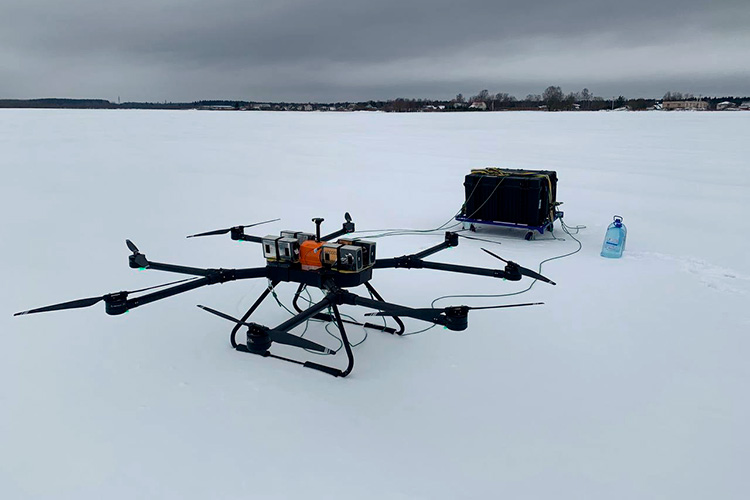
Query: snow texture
x,y
627,384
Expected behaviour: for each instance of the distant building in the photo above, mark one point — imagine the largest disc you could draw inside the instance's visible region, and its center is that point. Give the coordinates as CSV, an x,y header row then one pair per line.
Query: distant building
x,y
481,105
693,105
745,105
726,106
218,107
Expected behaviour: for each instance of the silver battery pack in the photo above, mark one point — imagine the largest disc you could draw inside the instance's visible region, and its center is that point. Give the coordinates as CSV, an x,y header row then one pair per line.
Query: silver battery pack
x,y
271,247
288,249
368,249
350,258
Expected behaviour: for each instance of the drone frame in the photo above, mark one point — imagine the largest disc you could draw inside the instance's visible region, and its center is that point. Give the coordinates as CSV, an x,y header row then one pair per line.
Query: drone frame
x,y
332,283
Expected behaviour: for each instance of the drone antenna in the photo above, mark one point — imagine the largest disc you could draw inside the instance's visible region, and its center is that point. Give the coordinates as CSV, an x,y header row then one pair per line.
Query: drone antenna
x,y
317,221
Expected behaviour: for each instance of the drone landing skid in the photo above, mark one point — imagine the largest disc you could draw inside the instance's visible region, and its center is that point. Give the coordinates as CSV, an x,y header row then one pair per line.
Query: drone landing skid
x,y
309,364
259,342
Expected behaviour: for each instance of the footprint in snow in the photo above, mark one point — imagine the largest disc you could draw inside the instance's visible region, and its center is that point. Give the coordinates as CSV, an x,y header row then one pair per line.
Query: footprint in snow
x,y
714,277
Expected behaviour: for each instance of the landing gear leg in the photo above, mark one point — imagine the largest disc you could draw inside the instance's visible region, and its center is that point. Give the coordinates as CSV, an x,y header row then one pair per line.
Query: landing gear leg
x,y
400,323
232,337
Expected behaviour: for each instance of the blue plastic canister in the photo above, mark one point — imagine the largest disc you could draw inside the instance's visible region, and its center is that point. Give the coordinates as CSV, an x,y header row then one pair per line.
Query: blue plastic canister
x,y
614,239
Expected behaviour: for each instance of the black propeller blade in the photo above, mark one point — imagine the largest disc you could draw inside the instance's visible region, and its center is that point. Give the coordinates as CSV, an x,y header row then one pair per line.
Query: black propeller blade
x,y
433,311
110,298
225,231
524,271
474,308
275,335
73,304
132,246
138,258
454,317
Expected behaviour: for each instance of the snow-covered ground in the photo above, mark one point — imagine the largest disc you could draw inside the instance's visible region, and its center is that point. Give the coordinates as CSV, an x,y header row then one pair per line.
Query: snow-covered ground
x,y
628,383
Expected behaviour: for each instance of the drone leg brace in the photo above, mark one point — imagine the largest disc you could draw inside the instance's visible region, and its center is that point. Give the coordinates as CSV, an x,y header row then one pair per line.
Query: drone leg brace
x,y
299,291
269,289
329,301
348,348
328,318
400,323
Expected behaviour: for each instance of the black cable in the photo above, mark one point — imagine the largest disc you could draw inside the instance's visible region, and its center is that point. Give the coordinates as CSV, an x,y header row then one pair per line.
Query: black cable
x,y
479,239
166,284
441,227
330,313
385,323
404,232
419,331
565,228
307,323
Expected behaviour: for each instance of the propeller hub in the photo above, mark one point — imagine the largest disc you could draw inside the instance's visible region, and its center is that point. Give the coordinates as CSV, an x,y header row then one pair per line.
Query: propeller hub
x,y
456,318
258,340
236,232
513,272
137,261
116,303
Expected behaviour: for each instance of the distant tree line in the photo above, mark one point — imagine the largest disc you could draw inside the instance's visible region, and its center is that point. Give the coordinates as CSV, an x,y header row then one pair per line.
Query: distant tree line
x,y
551,99
57,103
554,99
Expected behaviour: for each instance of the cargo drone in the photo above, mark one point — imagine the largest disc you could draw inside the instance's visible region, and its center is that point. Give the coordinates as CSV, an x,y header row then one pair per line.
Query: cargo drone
x,y
311,260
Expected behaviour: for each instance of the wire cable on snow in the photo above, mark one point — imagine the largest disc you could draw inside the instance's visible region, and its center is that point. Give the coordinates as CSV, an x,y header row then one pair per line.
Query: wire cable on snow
x,y
565,228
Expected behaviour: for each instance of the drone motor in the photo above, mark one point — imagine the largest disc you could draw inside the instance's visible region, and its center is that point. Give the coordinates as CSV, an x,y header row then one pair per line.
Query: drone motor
x,y
258,340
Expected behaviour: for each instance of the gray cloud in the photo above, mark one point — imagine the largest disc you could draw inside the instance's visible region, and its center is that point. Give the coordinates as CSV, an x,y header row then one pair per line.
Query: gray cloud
x,y
335,49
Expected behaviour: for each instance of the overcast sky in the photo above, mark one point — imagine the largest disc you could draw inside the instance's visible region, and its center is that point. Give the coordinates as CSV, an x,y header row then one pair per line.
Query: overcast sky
x,y
326,50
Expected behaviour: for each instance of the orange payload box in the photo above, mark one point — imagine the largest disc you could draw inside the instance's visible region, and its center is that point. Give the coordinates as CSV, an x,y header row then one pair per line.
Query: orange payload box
x,y
309,254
